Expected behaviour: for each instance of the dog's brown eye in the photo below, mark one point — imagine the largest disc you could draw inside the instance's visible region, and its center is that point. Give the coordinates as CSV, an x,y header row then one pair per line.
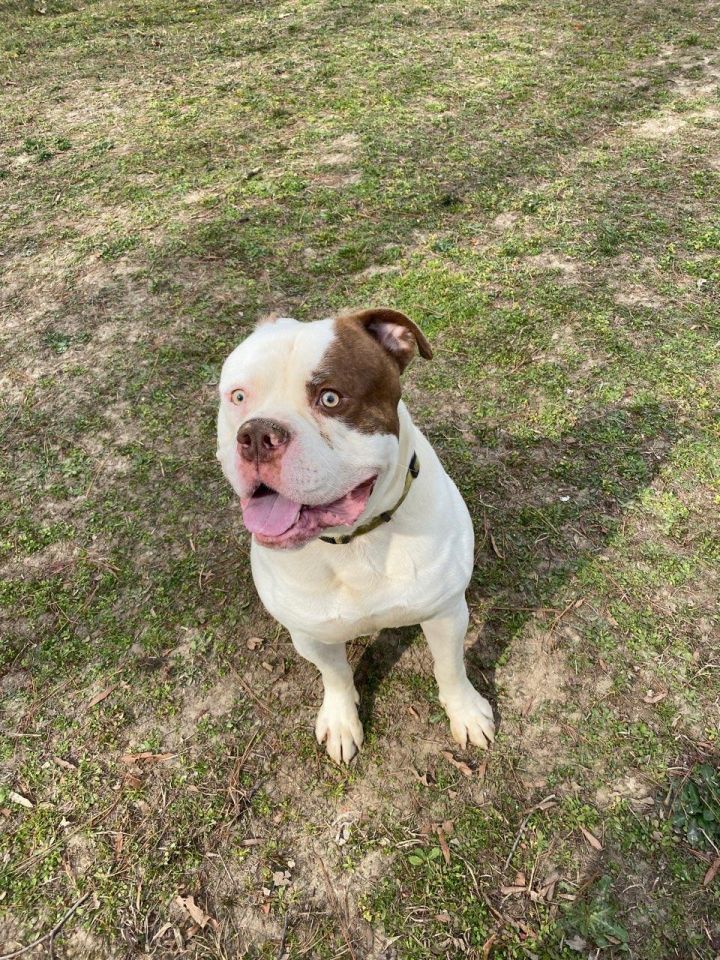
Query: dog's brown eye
x,y
329,399
237,396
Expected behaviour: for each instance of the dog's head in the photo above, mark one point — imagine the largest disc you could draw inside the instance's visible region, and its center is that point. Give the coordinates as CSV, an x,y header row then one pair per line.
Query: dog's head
x,y
308,421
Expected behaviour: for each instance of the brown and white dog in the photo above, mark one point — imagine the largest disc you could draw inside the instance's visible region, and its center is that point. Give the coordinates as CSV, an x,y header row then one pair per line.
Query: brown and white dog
x,y
355,524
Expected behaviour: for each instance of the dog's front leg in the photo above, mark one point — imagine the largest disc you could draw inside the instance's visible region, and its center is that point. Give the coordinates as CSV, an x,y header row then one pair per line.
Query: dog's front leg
x,y
338,724
470,715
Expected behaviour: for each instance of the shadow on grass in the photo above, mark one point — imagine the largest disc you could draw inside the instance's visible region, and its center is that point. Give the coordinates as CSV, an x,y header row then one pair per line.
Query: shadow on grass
x,y
551,507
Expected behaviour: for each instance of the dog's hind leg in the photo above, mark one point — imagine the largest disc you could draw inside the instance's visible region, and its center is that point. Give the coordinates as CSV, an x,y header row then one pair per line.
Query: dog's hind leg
x,y
338,724
470,715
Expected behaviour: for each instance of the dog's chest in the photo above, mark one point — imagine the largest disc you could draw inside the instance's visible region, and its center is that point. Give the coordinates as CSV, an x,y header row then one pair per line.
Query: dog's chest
x,y
356,590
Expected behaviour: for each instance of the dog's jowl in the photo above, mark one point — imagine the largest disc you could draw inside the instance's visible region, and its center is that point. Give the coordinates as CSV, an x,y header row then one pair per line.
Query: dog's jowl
x,y
355,524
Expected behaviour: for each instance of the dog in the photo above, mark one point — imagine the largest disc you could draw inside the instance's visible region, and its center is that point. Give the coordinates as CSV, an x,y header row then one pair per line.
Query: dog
x,y
355,524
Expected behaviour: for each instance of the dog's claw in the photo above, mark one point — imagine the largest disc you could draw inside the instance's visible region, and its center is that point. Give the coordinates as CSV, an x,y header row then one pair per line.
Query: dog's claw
x,y
338,727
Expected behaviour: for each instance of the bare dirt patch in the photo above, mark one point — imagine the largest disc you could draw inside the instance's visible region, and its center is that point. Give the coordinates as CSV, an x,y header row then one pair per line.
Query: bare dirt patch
x,y
568,268
638,296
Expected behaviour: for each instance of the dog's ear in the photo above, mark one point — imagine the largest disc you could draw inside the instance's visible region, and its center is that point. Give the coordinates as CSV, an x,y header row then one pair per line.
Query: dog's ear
x,y
395,333
268,319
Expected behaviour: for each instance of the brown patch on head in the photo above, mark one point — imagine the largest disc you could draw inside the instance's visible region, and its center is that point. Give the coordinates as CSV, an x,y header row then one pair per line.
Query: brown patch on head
x,y
363,365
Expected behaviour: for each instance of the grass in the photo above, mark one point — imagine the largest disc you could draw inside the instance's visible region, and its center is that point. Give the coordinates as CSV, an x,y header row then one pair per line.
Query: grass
x,y
537,185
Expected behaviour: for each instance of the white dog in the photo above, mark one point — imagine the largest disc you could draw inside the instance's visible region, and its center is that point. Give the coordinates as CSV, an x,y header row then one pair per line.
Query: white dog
x,y
355,524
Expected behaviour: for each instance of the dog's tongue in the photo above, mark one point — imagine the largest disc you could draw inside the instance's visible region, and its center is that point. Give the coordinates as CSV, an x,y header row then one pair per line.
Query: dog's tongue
x,y
270,514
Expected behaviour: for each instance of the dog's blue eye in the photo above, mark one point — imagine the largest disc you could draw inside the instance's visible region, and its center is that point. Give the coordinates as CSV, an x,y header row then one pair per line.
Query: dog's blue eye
x,y
237,396
329,398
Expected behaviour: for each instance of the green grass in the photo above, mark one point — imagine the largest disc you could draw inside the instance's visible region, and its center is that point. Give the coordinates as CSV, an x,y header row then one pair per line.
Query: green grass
x,y
537,185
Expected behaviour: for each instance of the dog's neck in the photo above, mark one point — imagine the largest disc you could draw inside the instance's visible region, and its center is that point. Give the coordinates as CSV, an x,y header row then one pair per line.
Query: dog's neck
x,y
390,490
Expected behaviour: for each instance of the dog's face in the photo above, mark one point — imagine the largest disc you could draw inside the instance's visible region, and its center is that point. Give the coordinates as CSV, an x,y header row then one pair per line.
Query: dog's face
x,y
308,421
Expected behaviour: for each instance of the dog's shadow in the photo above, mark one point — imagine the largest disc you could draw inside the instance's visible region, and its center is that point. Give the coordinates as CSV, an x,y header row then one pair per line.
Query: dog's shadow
x,y
542,509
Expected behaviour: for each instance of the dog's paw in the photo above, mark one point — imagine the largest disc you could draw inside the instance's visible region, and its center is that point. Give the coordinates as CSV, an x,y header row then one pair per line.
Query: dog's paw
x,y
471,719
339,727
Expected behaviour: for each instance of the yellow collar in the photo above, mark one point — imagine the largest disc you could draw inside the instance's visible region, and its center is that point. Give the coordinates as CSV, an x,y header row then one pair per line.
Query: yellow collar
x,y
387,515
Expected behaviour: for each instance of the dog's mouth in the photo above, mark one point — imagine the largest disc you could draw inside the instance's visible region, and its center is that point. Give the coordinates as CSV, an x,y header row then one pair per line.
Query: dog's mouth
x,y
276,521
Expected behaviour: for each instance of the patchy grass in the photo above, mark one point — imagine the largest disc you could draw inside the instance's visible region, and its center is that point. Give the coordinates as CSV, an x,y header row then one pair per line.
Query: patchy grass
x,y
538,185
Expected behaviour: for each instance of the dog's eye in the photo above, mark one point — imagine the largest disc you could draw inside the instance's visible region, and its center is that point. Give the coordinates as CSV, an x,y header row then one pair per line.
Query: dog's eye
x,y
329,399
237,396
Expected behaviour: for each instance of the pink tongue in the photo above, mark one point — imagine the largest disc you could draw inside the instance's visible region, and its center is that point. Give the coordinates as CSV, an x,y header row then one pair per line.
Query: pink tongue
x,y
269,514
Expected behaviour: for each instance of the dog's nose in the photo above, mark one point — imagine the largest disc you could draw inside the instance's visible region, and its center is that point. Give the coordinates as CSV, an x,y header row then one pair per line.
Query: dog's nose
x,y
259,440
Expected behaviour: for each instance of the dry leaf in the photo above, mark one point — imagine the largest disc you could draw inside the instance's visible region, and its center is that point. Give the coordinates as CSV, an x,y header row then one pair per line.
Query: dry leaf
x,y
577,943
449,827
443,917
651,697
547,891
493,544
251,842
426,779
18,798
65,764
488,945
460,765
513,891
195,912
413,712
443,845
591,839
527,709
254,643
343,834
162,931
103,695
712,872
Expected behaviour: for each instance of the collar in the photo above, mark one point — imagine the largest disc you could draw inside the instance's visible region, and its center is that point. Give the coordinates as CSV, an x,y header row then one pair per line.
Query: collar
x,y
387,515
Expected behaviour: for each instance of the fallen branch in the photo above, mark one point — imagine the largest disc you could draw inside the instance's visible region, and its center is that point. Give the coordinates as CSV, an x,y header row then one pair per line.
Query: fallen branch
x,y
283,935
543,805
338,911
51,934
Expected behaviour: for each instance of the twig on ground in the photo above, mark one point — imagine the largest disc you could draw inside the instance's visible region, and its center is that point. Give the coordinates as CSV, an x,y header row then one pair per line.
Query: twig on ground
x,y
345,929
281,948
252,693
526,818
51,934
92,822
573,604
